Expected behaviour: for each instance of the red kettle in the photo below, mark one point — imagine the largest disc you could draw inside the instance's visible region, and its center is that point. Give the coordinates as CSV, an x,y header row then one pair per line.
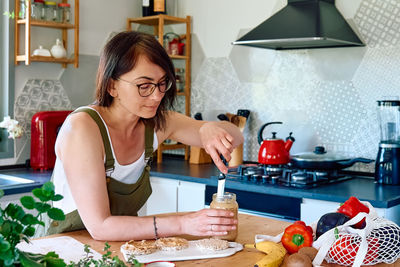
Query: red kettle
x,y
274,151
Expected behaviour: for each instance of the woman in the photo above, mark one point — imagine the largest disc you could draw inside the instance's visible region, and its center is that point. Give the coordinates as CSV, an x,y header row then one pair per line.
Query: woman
x,y
103,150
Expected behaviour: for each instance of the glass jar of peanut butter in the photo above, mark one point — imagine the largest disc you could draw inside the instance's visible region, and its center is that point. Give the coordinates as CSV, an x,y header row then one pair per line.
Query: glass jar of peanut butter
x,y
227,202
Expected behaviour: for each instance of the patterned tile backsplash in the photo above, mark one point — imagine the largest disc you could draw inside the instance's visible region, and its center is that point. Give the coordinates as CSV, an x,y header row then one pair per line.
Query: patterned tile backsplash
x,y
324,96
39,95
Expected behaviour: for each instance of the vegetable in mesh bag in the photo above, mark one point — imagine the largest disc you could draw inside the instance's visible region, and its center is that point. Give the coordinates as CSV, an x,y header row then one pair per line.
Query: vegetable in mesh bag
x,y
344,250
378,242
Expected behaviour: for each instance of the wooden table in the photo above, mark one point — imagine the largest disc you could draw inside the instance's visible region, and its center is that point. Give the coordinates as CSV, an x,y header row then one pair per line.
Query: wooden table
x,y
249,226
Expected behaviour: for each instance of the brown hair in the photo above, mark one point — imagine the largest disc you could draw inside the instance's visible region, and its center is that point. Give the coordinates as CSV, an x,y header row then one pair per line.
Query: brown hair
x,y
120,56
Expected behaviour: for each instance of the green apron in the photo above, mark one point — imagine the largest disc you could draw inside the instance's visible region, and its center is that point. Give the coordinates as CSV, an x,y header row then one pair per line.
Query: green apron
x,y
125,199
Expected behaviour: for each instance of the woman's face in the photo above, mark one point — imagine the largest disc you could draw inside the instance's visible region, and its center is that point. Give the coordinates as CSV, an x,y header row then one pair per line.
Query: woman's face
x,y
126,92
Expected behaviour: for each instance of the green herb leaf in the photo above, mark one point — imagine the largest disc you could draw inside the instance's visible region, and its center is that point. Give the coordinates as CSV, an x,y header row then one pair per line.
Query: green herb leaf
x,y
6,228
1,193
52,259
42,207
30,231
29,219
26,260
28,202
4,246
7,256
57,197
38,192
56,214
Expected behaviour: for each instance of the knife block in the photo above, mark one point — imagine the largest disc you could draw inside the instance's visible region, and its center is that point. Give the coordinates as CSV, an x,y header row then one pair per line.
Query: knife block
x,y
236,156
199,156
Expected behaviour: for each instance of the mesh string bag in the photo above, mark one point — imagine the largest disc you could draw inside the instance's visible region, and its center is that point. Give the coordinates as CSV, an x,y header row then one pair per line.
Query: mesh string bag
x,y
377,242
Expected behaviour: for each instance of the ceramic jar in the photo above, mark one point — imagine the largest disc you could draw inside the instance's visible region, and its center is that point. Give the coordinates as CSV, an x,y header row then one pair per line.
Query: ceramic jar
x,y
58,50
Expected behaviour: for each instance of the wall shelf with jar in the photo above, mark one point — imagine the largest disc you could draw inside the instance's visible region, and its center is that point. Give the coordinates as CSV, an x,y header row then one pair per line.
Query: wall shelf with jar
x,y
47,14
179,48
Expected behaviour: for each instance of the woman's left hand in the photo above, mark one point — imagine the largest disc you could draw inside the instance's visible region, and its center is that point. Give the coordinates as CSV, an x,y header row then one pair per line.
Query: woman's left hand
x,y
217,141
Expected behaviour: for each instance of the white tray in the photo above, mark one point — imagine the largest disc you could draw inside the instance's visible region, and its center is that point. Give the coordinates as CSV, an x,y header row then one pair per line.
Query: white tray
x,y
190,253
66,247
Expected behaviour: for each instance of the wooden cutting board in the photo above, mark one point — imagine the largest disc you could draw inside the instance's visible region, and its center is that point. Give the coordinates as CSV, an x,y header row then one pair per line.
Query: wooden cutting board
x,y
66,247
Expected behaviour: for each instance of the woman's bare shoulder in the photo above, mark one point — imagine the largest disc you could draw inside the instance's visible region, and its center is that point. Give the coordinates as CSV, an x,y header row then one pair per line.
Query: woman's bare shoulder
x,y
79,129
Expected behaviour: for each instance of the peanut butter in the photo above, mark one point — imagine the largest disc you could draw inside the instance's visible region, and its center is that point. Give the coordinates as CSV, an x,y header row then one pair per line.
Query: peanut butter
x,y
227,202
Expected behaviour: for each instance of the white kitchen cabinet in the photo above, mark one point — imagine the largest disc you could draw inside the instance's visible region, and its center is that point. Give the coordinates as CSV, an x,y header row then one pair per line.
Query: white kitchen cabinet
x,y
191,196
171,195
311,210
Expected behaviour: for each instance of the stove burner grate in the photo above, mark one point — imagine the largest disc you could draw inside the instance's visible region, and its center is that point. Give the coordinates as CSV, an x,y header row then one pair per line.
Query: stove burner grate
x,y
284,175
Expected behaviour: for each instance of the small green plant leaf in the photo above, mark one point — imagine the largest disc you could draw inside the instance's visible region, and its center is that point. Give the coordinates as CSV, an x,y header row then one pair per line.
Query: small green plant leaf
x,y
57,197
42,207
28,202
6,228
30,231
38,192
56,214
17,227
4,246
7,257
29,219
48,189
10,210
1,193
52,259
26,260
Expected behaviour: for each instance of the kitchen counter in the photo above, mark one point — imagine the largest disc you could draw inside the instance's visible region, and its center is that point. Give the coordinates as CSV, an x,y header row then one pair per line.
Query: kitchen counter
x,y
380,196
249,226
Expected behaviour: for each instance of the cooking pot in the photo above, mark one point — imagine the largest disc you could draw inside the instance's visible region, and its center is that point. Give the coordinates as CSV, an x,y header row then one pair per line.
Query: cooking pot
x,y
320,159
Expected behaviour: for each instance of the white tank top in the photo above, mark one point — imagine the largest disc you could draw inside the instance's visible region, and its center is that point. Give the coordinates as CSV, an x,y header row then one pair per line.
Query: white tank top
x,y
128,174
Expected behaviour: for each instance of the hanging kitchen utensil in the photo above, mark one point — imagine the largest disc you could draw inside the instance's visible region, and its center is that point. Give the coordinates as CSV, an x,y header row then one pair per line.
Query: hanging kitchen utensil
x,y
198,116
243,112
274,151
223,117
320,159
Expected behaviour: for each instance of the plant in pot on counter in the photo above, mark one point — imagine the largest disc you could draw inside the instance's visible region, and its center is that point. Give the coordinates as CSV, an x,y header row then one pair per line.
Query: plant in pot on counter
x,y
16,225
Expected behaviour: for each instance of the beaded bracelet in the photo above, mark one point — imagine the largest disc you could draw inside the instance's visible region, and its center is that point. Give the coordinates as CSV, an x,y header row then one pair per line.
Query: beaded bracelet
x,y
155,227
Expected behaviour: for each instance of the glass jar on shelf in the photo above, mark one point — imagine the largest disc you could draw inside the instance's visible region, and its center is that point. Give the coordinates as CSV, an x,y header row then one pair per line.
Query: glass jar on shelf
x,y
22,9
51,11
37,10
64,12
180,79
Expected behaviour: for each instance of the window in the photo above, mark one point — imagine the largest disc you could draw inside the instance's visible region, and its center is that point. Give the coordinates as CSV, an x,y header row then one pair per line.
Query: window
x,y
6,75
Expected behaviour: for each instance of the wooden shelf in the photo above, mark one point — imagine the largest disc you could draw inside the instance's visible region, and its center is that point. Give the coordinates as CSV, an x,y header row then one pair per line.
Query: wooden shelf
x,y
46,59
155,20
28,22
158,22
48,24
178,57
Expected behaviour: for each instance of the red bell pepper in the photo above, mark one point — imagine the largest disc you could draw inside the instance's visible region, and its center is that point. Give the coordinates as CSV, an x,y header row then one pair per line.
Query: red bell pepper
x,y
345,249
351,208
296,236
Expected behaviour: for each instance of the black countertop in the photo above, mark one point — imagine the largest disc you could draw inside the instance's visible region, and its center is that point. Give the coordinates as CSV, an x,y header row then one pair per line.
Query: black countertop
x,y
380,196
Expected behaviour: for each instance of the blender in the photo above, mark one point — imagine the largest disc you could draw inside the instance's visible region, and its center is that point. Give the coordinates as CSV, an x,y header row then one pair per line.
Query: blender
x,y
387,165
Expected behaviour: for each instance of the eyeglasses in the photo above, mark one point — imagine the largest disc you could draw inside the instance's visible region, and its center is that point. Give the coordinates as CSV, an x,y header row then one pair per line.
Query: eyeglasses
x,y
146,89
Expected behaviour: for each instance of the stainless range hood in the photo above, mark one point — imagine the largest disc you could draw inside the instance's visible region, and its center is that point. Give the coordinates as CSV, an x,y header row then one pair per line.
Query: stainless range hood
x,y
303,24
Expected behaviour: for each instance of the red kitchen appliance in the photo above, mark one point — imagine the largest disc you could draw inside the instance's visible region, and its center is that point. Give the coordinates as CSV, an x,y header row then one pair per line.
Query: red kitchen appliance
x,y
44,129
274,151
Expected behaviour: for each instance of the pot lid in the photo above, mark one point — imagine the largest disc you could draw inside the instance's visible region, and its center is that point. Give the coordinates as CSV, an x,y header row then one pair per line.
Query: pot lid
x,y
319,155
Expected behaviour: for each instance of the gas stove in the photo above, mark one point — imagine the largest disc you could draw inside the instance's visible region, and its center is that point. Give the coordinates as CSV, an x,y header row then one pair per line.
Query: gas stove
x,y
284,175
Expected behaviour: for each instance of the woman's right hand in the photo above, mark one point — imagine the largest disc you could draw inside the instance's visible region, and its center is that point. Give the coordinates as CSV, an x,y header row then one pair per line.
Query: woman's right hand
x,y
208,222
